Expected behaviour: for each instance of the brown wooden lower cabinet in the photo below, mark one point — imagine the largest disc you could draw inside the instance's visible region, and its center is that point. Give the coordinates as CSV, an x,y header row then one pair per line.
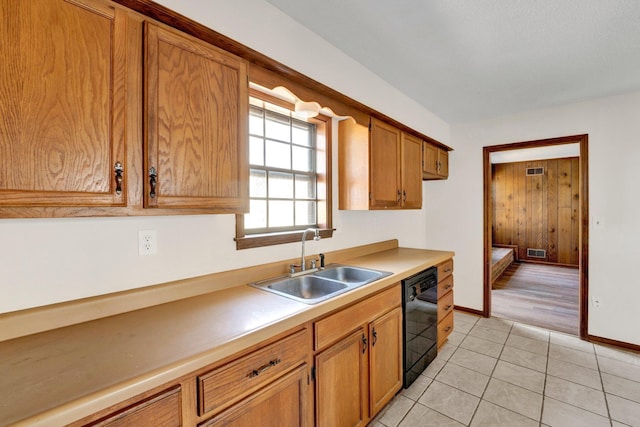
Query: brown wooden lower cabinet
x,y
282,403
341,382
445,301
358,370
385,373
358,375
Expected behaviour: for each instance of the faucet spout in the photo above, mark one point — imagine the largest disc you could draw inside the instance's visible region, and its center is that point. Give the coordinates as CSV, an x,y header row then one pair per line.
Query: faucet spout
x,y
316,237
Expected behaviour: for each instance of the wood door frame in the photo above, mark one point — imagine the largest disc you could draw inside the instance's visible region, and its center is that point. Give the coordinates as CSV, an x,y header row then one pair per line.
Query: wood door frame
x,y
583,224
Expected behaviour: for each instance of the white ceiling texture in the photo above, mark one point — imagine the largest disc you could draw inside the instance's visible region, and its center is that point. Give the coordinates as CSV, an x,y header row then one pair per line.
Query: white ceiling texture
x,y
468,60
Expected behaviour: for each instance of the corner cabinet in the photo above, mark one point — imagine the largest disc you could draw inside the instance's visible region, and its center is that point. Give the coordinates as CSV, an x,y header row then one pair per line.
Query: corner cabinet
x,y
435,162
196,124
63,89
379,167
358,361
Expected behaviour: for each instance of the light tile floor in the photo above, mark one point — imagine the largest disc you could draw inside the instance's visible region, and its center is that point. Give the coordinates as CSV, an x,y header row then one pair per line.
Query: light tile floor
x,y
494,373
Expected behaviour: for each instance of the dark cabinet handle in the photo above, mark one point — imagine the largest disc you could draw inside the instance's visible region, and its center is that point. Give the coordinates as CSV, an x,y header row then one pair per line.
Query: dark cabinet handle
x,y
404,195
447,287
447,329
119,170
399,196
153,176
263,368
375,337
364,344
447,307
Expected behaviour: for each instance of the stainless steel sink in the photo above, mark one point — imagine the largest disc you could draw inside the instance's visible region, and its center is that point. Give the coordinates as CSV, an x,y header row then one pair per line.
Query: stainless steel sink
x,y
307,287
347,274
321,285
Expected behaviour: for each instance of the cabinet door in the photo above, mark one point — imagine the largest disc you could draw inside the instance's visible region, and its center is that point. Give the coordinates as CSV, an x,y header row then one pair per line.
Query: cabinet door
x,y
429,160
411,171
443,163
341,382
385,359
196,131
283,403
384,158
62,91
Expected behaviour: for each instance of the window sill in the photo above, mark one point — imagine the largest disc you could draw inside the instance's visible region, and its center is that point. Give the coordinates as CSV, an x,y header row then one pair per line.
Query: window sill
x,y
260,240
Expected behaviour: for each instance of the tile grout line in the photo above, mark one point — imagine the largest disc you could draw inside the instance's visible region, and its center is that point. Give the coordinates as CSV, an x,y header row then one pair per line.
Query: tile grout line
x,y
546,374
604,391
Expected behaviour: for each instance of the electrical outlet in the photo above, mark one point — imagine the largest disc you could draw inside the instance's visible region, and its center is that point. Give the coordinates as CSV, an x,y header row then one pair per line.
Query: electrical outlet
x,y
147,242
596,301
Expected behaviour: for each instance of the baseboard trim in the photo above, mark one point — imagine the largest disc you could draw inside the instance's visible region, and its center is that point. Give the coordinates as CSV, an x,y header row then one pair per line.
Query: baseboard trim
x,y
614,343
468,310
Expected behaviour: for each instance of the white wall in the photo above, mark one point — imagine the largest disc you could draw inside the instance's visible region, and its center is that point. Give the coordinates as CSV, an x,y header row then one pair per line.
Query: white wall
x,y
44,261
613,126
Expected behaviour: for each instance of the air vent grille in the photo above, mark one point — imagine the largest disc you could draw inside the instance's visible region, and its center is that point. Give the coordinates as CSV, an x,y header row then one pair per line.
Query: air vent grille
x,y
536,253
535,171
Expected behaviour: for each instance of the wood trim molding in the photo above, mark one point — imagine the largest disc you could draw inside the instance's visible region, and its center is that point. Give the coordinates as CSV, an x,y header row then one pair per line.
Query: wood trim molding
x,y
269,72
614,343
583,140
469,310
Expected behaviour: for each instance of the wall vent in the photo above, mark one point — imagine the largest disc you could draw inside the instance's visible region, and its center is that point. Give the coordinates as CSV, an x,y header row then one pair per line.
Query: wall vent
x,y
536,253
535,171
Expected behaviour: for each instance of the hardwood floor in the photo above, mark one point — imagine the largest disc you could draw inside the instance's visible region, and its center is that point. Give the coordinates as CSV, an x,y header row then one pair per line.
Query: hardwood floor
x,y
538,294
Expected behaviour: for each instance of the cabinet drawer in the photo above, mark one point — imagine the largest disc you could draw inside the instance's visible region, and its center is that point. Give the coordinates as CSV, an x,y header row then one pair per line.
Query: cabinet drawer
x,y
445,269
338,325
225,385
445,285
445,327
164,409
445,305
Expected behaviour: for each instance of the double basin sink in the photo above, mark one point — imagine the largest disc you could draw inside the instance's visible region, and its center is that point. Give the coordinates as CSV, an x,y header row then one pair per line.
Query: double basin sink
x,y
321,285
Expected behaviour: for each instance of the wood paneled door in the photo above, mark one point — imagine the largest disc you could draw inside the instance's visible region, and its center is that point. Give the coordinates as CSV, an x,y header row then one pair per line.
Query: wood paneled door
x,y
536,206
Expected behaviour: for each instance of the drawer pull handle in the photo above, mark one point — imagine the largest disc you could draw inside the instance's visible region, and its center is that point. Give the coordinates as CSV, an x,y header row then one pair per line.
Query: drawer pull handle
x,y
447,307
447,270
447,329
263,368
447,287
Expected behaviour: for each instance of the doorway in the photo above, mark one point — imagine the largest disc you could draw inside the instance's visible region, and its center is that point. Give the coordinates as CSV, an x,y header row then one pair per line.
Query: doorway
x,y
581,239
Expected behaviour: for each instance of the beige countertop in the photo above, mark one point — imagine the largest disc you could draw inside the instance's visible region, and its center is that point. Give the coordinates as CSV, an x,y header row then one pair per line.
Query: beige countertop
x,y
58,376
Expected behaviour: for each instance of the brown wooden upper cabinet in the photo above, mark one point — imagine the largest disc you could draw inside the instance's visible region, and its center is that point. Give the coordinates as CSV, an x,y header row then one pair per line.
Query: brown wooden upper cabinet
x,y
196,124
379,167
435,161
62,90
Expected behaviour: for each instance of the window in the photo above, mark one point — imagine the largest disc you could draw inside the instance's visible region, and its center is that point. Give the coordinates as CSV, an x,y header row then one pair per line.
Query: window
x,y
288,177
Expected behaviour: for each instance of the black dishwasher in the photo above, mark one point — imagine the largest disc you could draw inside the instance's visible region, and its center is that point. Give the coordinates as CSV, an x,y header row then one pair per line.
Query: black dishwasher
x,y
420,326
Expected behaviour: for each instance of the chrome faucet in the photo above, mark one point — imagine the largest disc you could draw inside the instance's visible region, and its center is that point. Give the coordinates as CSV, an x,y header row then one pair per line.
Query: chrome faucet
x,y
316,237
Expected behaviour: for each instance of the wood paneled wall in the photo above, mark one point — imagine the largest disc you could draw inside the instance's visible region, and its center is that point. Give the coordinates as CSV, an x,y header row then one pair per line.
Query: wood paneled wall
x,y
539,211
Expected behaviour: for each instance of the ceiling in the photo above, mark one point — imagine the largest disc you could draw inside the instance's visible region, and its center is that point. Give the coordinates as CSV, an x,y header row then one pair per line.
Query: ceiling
x,y
468,60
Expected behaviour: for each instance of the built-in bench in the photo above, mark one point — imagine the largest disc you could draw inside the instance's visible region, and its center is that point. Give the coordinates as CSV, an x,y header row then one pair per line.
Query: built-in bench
x,y
501,259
